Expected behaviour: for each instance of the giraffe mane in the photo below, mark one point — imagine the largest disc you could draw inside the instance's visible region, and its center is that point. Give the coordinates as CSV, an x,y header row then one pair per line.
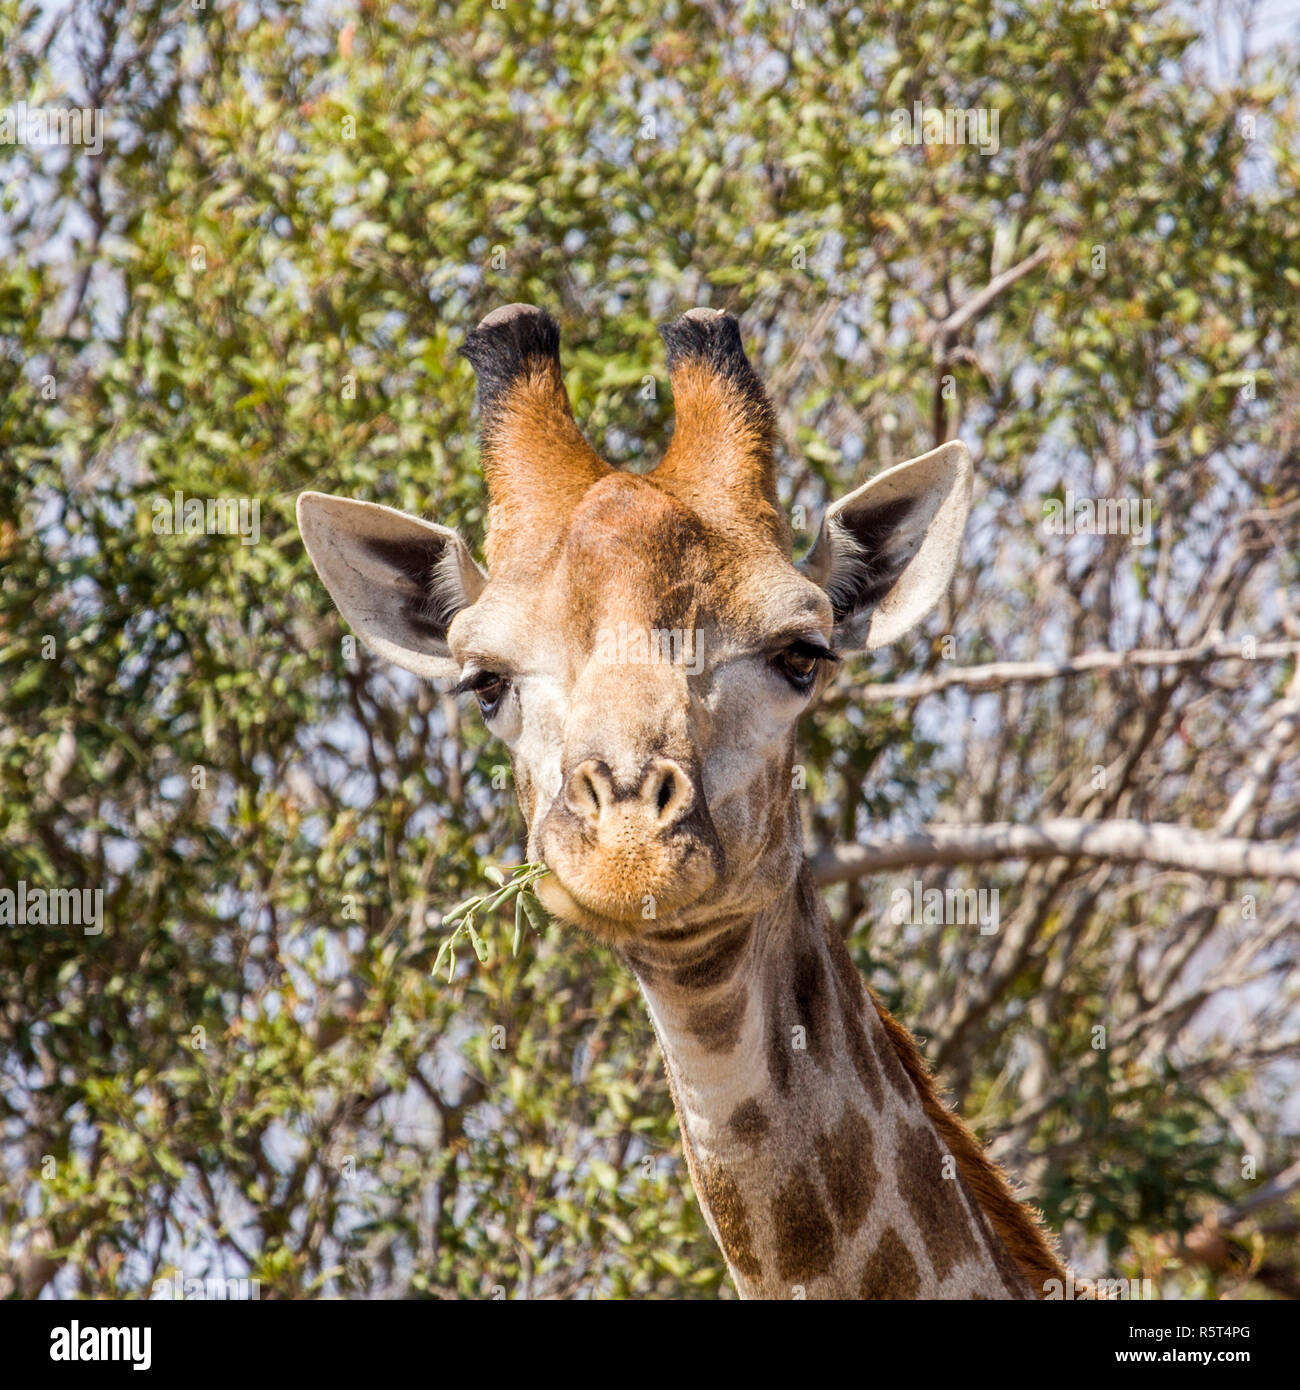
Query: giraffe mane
x,y
1018,1224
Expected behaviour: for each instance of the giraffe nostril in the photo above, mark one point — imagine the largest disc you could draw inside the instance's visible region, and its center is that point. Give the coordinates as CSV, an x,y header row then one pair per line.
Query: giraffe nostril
x,y
587,790
668,789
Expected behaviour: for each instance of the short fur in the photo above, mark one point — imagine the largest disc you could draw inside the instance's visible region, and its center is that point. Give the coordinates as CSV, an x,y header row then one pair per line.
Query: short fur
x,y
507,345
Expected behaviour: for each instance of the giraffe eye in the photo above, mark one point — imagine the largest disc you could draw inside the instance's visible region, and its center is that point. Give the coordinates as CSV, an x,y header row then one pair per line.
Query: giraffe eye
x,y
800,662
488,688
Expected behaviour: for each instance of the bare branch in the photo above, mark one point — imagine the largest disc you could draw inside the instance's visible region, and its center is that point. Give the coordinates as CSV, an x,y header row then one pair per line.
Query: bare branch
x,y
949,327
942,334
1116,841
1001,673
1275,1190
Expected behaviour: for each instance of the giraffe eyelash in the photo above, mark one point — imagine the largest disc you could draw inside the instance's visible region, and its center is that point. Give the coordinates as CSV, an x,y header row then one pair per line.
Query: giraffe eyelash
x,y
819,650
475,681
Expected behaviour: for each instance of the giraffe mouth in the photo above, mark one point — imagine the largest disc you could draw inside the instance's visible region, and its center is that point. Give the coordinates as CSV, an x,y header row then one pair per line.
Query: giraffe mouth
x,y
616,901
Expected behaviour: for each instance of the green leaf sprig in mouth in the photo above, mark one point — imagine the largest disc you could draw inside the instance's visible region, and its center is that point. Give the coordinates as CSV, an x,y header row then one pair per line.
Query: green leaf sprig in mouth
x,y
518,888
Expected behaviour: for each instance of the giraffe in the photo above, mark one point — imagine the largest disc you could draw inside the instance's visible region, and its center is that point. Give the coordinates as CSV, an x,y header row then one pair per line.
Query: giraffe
x,y
644,646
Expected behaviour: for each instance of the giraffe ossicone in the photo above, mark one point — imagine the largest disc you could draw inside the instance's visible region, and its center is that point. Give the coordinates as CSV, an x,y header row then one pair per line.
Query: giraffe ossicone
x,y
658,788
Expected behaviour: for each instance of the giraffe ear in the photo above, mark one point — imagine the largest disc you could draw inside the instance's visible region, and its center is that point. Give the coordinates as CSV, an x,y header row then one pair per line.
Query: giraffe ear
x,y
886,552
399,581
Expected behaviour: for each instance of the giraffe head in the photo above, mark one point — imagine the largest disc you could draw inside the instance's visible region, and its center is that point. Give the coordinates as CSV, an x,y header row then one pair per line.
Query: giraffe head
x,y
643,645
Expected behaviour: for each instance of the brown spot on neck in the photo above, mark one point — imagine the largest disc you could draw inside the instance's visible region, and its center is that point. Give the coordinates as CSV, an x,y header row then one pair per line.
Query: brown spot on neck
x,y
716,1025
716,961
798,996
749,1122
844,1155
891,1271
935,1201
805,1238
812,1004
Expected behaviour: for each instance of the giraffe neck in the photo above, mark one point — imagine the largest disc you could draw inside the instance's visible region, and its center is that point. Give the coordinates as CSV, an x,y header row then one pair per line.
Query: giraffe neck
x,y
823,1160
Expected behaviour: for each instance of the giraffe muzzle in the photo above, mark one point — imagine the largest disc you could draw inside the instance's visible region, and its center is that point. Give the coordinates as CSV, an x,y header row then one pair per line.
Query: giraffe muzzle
x,y
627,850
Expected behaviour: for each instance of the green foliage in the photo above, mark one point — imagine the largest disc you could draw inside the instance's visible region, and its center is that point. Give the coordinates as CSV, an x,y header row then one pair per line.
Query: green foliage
x,y
517,889
1145,1163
